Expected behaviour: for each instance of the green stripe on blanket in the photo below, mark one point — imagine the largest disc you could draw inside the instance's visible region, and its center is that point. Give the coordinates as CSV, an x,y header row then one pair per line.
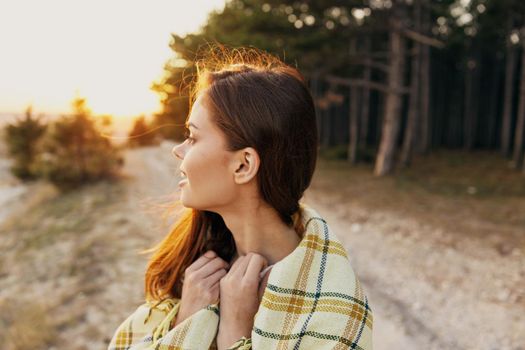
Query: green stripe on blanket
x,y
313,300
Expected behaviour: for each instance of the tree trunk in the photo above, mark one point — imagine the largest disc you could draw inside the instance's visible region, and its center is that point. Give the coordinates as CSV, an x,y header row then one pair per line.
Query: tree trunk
x,y
314,85
353,112
468,113
520,124
392,118
325,122
510,70
365,101
413,110
493,104
354,125
332,141
423,144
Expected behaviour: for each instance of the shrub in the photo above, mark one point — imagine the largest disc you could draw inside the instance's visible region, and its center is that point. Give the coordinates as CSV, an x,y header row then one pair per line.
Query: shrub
x,y
141,134
21,138
74,152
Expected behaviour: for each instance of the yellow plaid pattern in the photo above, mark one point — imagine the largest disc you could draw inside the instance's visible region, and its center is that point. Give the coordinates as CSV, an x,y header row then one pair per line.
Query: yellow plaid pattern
x,y
313,300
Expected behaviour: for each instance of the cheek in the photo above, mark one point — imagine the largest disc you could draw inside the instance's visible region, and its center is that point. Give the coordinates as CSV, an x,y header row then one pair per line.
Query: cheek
x,y
209,189
209,176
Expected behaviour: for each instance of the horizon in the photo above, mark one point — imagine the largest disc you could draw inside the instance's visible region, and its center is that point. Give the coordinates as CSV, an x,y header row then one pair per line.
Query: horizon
x,y
121,125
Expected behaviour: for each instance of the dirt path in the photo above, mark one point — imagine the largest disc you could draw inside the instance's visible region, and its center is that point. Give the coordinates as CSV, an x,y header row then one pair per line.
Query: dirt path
x,y
429,288
70,271
72,266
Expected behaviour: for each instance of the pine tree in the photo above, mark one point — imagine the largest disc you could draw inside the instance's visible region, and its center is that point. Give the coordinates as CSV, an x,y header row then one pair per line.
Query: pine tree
x,y
21,138
141,133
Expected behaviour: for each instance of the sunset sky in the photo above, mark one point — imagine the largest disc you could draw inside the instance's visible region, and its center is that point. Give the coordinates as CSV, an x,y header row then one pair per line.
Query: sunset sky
x,y
108,51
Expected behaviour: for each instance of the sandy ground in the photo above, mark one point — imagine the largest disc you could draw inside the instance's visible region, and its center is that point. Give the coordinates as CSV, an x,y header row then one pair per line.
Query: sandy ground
x,y
429,290
70,268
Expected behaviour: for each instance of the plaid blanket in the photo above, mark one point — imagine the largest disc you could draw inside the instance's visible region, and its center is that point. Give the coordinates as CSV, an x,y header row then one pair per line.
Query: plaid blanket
x,y
313,300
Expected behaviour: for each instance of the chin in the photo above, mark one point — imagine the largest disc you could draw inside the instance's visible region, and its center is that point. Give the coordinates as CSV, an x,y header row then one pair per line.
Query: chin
x,y
186,203
189,205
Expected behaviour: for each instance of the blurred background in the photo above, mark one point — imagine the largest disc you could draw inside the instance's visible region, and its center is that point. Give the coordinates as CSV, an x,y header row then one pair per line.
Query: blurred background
x,y
421,172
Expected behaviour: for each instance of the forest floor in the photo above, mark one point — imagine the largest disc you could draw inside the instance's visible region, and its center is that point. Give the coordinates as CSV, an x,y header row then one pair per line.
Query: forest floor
x,y
439,248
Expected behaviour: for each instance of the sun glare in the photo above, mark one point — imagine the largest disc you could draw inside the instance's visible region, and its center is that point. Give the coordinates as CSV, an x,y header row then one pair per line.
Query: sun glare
x,y
106,51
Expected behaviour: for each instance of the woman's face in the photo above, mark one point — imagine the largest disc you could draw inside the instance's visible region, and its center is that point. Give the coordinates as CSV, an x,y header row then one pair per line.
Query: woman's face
x,y
208,166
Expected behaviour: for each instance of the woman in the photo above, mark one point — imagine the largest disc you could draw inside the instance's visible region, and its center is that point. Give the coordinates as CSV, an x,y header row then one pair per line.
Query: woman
x,y
247,244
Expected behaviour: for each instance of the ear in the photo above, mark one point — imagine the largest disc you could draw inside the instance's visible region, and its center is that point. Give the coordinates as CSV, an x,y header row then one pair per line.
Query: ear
x,y
247,163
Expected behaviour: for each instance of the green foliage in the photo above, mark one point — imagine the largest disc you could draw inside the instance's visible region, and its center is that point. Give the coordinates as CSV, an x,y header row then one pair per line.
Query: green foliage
x,y
265,25
141,133
74,152
21,138
467,43
173,92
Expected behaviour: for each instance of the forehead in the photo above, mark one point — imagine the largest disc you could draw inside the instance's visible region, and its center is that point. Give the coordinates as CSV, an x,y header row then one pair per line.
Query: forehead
x,y
199,115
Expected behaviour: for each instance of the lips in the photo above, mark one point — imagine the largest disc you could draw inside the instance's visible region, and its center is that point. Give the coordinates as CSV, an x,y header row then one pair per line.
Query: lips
x,y
184,178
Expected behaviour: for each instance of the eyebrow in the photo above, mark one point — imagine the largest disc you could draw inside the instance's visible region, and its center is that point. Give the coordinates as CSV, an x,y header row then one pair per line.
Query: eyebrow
x,y
191,124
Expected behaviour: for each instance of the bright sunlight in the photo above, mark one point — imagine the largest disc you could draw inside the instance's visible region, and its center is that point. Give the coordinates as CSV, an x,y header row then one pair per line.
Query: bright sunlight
x,y
106,51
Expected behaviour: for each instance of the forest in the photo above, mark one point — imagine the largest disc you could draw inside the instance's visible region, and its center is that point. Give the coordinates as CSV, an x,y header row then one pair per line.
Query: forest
x,y
390,78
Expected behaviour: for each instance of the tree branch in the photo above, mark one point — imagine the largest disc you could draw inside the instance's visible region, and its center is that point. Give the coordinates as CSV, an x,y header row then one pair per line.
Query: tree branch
x,y
423,39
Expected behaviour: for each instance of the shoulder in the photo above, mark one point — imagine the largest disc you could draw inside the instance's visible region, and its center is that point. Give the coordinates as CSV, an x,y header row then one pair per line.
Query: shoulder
x,y
327,260
141,322
327,299
155,311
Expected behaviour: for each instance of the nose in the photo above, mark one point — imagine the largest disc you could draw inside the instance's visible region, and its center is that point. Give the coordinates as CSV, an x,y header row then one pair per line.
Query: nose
x,y
176,151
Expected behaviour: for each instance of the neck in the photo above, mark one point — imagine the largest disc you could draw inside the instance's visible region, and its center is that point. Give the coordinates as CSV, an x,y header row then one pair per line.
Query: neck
x,y
260,230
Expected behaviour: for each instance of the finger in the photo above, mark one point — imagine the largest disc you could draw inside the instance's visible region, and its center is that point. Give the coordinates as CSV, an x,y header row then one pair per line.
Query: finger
x,y
240,268
264,271
255,266
202,260
211,267
216,290
263,283
216,285
215,277
236,264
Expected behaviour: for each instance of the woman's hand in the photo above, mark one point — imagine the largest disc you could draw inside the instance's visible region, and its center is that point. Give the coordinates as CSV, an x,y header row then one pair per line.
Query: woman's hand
x,y
201,284
240,299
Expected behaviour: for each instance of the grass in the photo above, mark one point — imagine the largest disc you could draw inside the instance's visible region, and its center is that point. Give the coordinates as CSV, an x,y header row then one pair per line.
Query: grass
x,y
71,213
36,323
468,193
26,324
484,175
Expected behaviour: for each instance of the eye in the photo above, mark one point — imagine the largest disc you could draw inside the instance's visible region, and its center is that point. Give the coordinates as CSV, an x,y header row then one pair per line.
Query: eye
x,y
188,137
